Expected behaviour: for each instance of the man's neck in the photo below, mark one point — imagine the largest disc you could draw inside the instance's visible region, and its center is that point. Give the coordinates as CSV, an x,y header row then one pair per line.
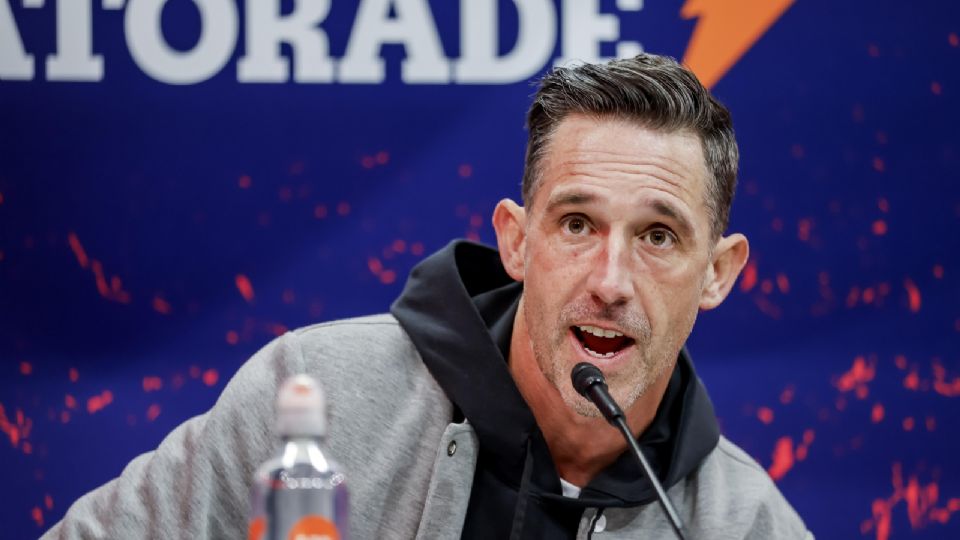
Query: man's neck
x,y
581,446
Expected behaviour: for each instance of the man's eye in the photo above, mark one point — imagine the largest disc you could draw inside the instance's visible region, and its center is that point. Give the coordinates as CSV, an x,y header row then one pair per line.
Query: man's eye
x,y
661,238
575,225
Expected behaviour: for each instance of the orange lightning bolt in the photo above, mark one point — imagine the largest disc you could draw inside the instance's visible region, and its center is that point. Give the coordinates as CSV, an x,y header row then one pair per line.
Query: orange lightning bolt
x,y
725,30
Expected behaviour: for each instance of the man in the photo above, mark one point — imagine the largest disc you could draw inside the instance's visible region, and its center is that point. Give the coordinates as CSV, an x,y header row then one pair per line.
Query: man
x,y
455,415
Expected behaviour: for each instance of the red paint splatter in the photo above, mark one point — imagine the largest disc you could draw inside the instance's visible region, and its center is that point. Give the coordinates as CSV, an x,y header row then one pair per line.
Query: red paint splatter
x,y
766,286
210,377
465,170
765,415
787,395
936,88
859,374
78,250
288,297
882,203
343,208
70,401
900,361
476,221
941,385
912,380
153,411
399,245
879,227
416,249
868,295
803,229
245,287
375,266
232,337
878,164
37,515
97,403
245,182
783,283
913,294
74,374
767,307
161,306
803,449
320,211
388,277
921,502
953,39
938,271
152,384
194,371
16,430
367,162
931,423
783,458
749,279
908,423
26,368
853,296
48,501
876,414
382,157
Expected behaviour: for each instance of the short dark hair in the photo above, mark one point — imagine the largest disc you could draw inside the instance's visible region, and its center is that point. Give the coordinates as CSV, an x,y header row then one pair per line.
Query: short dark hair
x,y
654,91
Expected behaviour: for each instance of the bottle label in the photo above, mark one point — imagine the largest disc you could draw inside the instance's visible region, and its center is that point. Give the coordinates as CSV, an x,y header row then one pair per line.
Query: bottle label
x,y
313,528
257,528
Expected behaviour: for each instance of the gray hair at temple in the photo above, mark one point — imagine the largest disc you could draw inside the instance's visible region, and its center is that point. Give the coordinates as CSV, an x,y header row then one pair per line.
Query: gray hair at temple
x,y
654,91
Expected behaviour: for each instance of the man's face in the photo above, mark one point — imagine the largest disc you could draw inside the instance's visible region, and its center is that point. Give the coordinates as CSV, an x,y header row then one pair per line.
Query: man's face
x,y
617,250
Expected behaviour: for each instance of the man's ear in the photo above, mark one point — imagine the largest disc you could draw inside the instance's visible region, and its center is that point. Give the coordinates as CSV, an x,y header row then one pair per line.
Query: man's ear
x,y
509,221
729,257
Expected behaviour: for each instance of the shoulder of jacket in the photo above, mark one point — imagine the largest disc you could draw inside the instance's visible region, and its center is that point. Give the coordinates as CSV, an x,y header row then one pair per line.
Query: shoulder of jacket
x,y
730,465
758,504
354,324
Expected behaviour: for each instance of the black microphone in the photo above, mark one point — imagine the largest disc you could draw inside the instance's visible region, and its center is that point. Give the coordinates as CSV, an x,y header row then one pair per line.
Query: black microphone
x,y
588,381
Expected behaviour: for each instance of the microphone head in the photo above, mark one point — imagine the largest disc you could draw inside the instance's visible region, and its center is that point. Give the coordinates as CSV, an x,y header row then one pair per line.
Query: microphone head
x,y
584,375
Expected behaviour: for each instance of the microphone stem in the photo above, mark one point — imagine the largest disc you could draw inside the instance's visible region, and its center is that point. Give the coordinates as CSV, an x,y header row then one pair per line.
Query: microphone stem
x,y
672,516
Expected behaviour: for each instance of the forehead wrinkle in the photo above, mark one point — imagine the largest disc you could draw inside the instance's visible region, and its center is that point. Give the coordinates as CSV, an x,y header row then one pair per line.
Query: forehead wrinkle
x,y
659,168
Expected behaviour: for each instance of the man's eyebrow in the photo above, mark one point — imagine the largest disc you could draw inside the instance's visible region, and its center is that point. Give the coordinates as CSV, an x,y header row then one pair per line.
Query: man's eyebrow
x,y
668,210
569,198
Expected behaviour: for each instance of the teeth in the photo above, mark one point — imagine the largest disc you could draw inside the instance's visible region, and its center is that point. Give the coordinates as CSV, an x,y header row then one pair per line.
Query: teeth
x,y
599,332
595,354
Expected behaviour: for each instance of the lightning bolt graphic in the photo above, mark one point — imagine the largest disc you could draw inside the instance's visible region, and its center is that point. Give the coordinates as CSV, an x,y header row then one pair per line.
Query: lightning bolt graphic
x,y
725,30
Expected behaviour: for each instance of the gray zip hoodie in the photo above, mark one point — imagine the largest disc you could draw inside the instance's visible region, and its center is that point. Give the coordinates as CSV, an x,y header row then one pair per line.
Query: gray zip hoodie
x,y
409,444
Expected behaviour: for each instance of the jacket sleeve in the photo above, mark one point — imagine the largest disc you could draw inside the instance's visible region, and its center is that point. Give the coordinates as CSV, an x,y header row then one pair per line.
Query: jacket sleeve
x,y
196,483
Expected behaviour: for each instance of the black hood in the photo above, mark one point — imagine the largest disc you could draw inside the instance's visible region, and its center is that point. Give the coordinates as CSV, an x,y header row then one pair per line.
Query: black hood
x,y
458,307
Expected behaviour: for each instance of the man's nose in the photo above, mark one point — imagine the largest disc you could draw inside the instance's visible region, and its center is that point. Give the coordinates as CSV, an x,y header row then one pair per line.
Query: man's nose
x,y
610,278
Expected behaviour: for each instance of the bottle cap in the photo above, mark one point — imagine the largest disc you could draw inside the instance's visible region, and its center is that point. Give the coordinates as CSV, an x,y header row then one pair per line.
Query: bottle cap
x,y
301,408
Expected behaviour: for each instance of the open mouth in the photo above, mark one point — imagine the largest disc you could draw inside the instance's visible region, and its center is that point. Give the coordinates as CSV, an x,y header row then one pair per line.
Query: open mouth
x,y
600,342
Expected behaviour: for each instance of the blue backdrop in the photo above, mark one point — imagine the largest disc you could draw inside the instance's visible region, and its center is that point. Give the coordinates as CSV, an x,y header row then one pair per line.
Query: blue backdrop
x,y
173,194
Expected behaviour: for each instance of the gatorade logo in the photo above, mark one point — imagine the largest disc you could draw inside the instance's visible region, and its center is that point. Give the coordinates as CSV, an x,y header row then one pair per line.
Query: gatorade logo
x,y
725,30
314,528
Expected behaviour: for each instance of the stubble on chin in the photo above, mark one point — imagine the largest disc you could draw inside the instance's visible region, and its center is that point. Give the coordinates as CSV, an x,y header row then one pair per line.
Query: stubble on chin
x,y
626,387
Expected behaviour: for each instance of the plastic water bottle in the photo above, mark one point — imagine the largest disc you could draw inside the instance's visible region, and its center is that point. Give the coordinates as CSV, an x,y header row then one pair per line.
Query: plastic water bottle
x,y
299,494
